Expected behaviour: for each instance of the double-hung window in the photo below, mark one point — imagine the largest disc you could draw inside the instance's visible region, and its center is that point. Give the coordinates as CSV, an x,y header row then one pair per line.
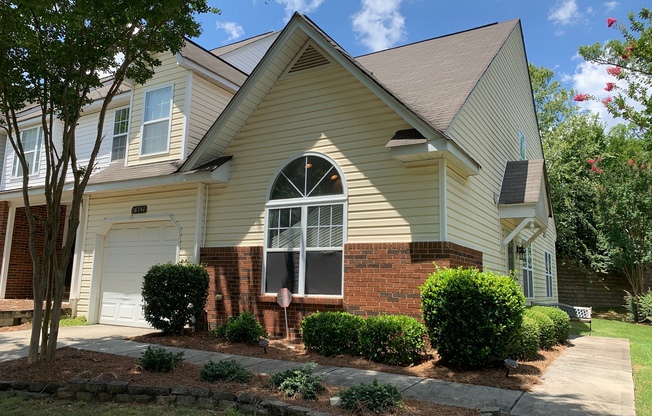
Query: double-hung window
x,y
528,273
305,229
120,134
157,114
548,260
32,141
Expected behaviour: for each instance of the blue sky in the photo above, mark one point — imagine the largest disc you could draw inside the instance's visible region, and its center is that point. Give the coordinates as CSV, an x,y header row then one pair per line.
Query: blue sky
x,y
553,29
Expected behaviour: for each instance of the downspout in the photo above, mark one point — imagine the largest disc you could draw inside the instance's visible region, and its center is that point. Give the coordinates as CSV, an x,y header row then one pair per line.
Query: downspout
x,y
443,210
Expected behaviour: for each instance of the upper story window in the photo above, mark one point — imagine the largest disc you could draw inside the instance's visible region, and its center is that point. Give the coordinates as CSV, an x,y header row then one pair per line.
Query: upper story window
x,y
155,137
305,227
120,134
32,141
521,144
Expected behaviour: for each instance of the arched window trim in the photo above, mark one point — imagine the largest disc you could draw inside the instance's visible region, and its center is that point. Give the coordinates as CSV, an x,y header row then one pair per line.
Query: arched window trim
x,y
303,203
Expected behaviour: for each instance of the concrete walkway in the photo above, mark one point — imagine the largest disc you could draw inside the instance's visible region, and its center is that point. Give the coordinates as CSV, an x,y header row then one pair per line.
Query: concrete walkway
x,y
592,377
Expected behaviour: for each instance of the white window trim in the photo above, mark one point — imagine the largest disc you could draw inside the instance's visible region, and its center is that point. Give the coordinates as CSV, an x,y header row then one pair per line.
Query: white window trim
x,y
115,110
38,150
143,123
528,264
303,203
547,257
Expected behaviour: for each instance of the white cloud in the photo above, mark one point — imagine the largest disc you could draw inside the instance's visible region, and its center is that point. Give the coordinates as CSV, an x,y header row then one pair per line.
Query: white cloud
x,y
610,5
565,12
301,6
590,78
234,30
379,24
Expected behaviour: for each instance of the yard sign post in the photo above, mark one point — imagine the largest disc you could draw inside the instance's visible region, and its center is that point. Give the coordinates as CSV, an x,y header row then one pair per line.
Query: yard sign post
x,y
284,298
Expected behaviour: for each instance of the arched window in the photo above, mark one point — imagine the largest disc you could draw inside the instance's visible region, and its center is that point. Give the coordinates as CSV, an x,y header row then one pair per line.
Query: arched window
x,y
305,228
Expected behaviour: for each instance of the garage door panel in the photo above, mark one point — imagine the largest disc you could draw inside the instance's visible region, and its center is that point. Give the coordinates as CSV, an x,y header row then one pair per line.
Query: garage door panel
x,y
129,252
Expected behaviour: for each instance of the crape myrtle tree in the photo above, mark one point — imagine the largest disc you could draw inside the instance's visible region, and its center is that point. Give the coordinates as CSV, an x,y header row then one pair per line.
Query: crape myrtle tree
x,y
52,53
569,137
628,60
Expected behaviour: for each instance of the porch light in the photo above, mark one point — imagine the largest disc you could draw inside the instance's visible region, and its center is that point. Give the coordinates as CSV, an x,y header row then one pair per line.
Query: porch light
x,y
333,177
521,251
308,165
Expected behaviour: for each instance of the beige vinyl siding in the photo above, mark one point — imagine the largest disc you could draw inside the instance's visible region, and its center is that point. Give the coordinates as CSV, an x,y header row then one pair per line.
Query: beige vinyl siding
x,y
206,103
169,73
489,133
181,202
329,112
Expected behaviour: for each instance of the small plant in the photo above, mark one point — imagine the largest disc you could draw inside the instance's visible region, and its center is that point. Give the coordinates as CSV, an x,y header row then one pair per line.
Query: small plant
x,y
560,319
393,339
159,360
331,333
241,328
546,328
70,321
299,382
225,371
639,308
525,345
173,295
377,398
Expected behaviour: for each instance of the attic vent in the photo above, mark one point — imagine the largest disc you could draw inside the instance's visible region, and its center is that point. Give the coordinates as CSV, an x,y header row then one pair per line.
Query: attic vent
x,y
310,58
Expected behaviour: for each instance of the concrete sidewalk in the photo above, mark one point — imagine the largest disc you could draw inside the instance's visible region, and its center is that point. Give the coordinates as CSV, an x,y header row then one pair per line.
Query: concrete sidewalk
x,y
592,377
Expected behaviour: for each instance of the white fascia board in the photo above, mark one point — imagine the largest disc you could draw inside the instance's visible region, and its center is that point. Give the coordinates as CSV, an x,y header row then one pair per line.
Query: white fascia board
x,y
517,211
171,179
190,65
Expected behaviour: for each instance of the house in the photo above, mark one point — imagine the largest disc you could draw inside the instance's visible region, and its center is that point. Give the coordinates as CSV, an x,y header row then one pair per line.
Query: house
x,y
343,179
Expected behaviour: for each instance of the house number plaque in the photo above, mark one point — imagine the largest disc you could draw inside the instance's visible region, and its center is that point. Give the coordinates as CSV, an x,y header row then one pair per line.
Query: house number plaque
x,y
139,209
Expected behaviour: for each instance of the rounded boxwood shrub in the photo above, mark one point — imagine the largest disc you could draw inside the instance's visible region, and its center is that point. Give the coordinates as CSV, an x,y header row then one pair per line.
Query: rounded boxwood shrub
x,y
393,339
546,328
471,316
331,333
525,345
229,370
241,328
560,319
173,295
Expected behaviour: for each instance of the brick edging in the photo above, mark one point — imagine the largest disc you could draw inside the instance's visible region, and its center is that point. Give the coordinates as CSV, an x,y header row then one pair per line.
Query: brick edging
x,y
83,389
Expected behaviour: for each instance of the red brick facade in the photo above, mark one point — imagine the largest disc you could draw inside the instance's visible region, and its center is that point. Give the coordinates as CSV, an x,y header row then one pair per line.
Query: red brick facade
x,y
19,278
4,216
378,277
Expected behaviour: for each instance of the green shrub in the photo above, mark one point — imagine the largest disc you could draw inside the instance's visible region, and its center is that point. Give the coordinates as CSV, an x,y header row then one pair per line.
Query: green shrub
x,y
299,382
393,339
525,345
159,360
560,320
241,328
376,398
173,295
546,328
331,333
225,371
471,316
639,308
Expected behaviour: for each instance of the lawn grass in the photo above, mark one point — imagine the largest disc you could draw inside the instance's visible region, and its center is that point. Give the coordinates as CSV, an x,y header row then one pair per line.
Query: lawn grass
x,y
20,406
640,343
78,321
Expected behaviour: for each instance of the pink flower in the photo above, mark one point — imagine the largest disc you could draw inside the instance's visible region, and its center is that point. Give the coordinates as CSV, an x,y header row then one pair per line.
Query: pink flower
x,y
611,21
594,168
624,56
581,97
631,162
610,86
599,159
614,70
630,48
606,101
590,161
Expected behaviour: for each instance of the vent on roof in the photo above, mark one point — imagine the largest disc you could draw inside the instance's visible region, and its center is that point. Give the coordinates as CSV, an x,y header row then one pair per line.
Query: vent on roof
x,y
311,58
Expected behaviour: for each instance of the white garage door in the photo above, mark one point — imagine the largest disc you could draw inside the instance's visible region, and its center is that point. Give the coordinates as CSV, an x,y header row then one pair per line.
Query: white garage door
x,y
129,251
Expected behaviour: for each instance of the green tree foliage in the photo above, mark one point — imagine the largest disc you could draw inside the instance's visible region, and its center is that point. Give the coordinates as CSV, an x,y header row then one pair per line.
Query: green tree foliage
x,y
623,181
570,138
51,55
630,62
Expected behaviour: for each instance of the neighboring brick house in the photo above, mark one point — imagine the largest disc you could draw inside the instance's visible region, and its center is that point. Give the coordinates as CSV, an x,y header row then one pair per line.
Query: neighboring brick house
x,y
343,179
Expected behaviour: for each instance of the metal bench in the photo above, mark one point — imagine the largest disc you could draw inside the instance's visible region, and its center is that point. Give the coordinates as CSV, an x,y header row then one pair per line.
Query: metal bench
x,y
576,313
